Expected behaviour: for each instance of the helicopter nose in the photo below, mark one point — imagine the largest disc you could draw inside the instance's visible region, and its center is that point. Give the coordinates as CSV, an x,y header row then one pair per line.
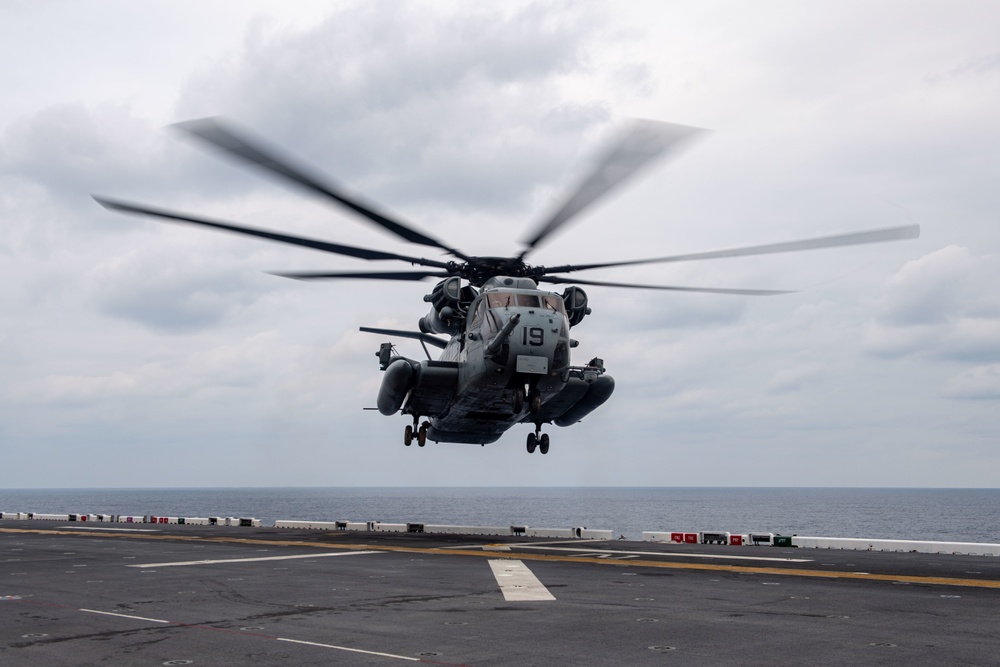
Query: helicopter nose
x,y
533,344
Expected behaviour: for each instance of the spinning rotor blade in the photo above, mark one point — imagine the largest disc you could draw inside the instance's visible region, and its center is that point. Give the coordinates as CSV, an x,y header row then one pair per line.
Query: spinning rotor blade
x,y
223,137
856,238
365,275
350,251
641,142
709,290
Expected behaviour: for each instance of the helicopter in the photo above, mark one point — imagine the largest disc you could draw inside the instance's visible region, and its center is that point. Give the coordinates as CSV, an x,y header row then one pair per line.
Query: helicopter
x,y
505,341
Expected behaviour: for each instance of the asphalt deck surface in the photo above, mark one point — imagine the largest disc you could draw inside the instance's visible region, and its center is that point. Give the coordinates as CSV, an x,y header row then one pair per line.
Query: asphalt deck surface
x,y
199,595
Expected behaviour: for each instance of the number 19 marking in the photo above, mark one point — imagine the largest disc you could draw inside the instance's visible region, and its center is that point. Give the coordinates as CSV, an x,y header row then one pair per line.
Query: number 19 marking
x,y
534,336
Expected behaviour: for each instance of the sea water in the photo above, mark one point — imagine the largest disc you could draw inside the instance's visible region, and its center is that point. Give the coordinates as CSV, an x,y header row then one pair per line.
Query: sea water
x,y
953,515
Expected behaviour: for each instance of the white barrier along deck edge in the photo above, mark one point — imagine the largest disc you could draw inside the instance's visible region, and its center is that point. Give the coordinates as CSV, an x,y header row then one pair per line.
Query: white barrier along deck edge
x,y
917,546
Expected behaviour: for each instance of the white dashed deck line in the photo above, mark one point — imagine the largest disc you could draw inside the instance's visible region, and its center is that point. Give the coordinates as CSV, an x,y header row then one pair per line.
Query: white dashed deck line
x,y
517,583
137,618
255,560
349,649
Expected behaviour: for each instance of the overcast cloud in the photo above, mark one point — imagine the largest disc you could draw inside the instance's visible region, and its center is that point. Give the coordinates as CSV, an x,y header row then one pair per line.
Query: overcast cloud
x,y
135,353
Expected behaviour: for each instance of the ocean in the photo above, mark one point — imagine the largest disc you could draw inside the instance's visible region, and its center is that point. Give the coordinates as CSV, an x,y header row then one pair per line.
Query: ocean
x,y
953,515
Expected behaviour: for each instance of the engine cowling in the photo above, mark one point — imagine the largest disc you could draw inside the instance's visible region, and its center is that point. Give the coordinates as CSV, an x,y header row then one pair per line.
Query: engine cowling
x,y
448,292
449,305
575,300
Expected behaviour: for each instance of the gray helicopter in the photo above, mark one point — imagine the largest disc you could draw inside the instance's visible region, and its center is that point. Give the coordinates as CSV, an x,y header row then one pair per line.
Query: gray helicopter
x,y
506,358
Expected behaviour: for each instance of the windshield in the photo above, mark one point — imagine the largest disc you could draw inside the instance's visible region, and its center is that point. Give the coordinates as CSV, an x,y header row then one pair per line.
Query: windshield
x,y
502,299
508,299
553,302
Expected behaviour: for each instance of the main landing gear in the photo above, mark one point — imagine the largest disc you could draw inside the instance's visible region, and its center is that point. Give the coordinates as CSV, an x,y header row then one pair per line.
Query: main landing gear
x,y
539,441
411,432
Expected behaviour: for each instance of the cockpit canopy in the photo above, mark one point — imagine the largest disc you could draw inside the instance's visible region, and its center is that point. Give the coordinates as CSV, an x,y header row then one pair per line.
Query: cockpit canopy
x,y
510,299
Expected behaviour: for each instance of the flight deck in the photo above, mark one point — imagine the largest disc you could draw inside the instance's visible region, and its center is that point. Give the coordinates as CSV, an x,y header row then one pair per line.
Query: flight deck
x,y
150,594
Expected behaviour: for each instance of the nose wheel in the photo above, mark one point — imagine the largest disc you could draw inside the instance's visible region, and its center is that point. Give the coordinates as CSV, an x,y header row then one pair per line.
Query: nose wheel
x,y
540,442
532,396
534,402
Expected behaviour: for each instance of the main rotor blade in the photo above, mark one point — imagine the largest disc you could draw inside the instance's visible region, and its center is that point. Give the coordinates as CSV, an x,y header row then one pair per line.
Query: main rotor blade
x,y
856,238
426,338
224,137
336,248
363,275
640,143
709,290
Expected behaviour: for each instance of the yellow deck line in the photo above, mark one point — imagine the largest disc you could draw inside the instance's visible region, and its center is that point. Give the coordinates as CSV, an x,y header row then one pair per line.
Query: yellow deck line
x,y
478,553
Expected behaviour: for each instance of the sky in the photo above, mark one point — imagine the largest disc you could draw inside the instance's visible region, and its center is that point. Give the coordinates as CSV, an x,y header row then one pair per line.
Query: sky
x,y
140,354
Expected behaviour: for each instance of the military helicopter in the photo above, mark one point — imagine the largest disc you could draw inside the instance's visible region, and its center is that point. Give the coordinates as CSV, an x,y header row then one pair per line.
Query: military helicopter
x,y
506,358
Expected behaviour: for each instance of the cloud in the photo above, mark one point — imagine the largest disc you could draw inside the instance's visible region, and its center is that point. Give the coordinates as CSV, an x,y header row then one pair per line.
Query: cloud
x,y
792,379
942,305
70,149
148,286
173,376
418,105
944,286
637,311
983,65
980,382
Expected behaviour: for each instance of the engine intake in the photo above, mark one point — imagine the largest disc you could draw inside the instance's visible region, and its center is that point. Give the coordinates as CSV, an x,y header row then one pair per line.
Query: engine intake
x,y
576,305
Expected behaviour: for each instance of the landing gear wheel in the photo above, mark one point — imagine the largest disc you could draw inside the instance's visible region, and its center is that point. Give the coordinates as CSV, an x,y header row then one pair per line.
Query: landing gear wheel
x,y
422,434
532,443
407,435
543,443
518,400
534,402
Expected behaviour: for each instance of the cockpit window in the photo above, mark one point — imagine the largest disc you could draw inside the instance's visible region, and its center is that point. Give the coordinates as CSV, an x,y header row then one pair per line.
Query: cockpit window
x,y
551,302
528,300
502,299
477,317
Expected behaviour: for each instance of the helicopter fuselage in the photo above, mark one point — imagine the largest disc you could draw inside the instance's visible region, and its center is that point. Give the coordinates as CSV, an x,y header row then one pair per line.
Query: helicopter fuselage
x,y
508,363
